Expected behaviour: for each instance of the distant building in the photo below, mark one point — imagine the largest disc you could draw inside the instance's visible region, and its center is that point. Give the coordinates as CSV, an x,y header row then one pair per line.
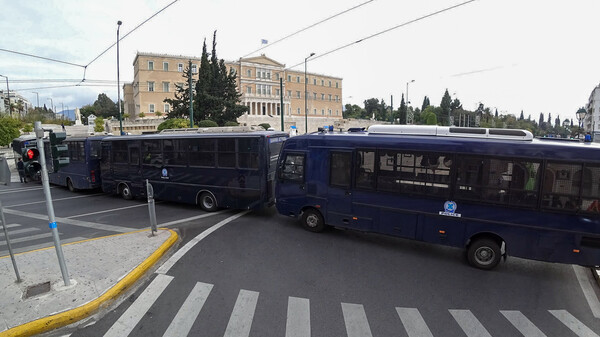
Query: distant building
x,y
258,81
20,104
591,122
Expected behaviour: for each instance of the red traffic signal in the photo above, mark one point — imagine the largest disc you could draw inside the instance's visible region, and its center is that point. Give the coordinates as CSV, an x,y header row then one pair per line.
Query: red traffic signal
x,y
30,154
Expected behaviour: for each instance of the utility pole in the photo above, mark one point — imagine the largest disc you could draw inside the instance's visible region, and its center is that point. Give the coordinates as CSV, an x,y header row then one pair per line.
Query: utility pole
x,y
392,108
39,134
191,94
281,100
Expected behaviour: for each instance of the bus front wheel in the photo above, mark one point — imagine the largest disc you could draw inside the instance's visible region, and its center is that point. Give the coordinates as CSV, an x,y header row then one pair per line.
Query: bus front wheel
x,y
126,192
70,185
208,202
312,220
484,254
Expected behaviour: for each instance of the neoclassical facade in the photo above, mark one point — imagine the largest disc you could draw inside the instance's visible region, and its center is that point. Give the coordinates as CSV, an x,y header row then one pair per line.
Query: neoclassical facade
x,y
259,80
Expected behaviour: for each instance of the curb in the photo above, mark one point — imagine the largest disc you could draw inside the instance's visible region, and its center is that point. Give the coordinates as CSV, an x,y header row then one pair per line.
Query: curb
x,y
71,316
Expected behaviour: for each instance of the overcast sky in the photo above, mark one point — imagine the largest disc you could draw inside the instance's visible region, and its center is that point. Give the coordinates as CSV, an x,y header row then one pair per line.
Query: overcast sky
x,y
513,55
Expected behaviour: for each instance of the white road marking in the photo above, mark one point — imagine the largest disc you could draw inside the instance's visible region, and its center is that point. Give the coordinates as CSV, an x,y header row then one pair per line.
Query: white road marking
x,y
241,318
298,317
19,231
24,189
175,222
59,199
110,228
573,323
522,323
28,238
181,252
109,210
187,314
130,318
413,322
588,291
469,323
356,321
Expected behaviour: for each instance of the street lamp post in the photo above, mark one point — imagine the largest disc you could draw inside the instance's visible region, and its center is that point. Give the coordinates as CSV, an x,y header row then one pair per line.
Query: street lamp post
x,y
118,81
580,116
51,104
8,95
305,95
407,83
38,98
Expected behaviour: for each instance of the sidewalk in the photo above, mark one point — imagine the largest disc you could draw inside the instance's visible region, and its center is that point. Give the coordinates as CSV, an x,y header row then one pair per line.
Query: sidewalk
x,y
100,270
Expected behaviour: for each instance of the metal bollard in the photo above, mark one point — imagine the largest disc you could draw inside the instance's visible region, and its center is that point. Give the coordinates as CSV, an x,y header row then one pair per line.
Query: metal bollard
x,y
151,209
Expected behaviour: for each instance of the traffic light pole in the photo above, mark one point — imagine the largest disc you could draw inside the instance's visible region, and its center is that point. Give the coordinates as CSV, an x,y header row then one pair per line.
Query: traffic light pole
x,y
39,134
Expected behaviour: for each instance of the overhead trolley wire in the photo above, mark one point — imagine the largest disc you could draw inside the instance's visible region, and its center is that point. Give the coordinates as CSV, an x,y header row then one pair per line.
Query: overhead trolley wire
x,y
308,27
384,31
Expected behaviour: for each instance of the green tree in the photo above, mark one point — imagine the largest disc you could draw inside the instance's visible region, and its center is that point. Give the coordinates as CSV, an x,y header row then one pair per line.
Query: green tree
x,y
445,104
180,105
541,120
174,123
86,111
428,116
9,130
402,111
232,123
371,106
99,124
105,107
207,123
353,111
216,95
521,117
425,103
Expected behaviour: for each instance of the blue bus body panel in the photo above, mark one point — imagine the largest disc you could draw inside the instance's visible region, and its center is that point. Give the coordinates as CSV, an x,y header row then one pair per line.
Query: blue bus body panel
x,y
528,232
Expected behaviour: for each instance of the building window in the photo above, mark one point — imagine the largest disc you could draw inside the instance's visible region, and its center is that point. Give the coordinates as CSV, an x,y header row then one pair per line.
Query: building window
x,y
336,85
314,81
150,65
329,97
248,90
166,86
315,96
180,84
298,79
330,84
166,66
322,97
337,112
277,76
167,108
298,111
337,98
277,92
298,94
314,111
323,82
249,73
323,112
289,93
329,112
151,108
150,86
194,68
180,67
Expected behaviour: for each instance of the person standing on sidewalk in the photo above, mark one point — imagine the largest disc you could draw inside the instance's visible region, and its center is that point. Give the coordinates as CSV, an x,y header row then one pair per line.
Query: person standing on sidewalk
x,y
21,169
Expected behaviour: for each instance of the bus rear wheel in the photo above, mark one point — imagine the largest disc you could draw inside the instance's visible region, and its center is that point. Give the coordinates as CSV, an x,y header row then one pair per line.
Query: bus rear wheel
x,y
484,254
70,185
126,192
208,202
312,220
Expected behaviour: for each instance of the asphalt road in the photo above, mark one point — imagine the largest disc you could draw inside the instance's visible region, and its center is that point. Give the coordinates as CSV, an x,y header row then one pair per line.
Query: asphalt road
x,y
263,275
82,215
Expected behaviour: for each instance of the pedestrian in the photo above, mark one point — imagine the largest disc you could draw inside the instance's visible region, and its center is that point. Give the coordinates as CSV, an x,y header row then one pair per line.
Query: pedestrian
x,y
21,169
63,126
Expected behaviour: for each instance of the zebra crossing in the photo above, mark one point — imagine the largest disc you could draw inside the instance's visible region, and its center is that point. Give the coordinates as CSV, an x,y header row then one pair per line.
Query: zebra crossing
x,y
298,320
23,239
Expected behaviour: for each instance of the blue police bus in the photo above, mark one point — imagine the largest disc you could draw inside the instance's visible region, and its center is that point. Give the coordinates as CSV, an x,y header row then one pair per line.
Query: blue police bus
x,y
83,170
494,192
197,166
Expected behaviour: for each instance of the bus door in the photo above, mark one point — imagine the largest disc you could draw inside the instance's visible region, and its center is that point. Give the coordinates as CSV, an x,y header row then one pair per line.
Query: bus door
x,y
291,184
339,192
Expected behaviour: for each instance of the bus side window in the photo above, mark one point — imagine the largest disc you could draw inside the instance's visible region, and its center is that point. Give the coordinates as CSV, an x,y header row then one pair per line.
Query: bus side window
x,y
340,169
590,195
365,166
561,190
293,167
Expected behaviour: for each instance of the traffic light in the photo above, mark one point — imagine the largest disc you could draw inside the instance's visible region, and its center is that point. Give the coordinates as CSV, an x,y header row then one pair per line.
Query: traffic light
x,y
31,162
60,157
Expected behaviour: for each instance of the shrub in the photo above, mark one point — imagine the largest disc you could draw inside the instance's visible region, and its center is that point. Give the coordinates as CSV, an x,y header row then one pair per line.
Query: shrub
x,y
207,123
